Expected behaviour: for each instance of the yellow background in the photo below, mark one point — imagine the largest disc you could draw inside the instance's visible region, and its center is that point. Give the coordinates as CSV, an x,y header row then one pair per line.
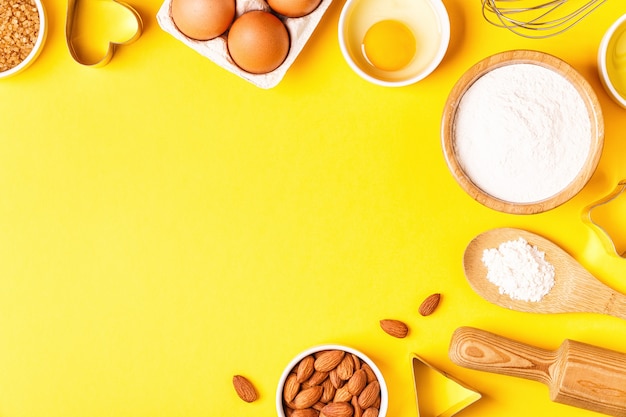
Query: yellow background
x,y
165,224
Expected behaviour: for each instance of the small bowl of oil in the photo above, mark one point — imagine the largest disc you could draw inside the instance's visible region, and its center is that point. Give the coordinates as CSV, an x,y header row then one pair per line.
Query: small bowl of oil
x,y
612,61
394,43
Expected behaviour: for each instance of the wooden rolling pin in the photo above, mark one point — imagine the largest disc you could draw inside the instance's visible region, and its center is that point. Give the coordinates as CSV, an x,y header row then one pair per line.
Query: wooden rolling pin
x,y
577,374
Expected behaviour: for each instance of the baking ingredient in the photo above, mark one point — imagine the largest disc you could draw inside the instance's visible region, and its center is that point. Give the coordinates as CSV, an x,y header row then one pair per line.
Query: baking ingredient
x,y
308,397
519,270
389,45
370,412
203,19
339,409
294,8
305,369
429,305
328,360
244,388
395,328
19,28
522,133
616,60
370,395
258,42
336,398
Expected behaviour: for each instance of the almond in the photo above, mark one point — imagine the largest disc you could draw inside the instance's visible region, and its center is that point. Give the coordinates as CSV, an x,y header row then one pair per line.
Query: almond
x,y
371,376
244,388
370,412
357,362
291,387
329,391
334,379
369,395
345,369
305,412
305,368
429,305
316,379
340,409
395,328
342,394
358,411
357,382
328,360
307,397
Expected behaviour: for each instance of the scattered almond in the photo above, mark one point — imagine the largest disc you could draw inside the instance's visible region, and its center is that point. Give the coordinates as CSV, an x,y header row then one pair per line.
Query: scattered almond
x,y
338,409
395,328
305,368
429,305
328,360
369,395
244,388
307,397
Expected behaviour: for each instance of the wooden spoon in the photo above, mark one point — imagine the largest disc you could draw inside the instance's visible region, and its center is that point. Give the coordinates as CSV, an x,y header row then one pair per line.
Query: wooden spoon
x,y
575,288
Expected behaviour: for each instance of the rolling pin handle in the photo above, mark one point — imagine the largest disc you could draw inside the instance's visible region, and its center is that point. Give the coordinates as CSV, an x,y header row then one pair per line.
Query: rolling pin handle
x,y
484,351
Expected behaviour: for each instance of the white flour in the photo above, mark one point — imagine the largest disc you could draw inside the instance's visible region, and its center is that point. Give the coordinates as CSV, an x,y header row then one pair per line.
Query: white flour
x,y
519,270
522,133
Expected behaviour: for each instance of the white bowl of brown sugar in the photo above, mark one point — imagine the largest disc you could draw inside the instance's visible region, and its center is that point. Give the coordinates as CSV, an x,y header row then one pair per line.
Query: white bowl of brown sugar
x,y
23,30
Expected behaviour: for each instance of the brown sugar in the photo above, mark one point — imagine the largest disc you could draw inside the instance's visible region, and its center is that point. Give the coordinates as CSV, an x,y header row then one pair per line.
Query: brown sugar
x,y
19,28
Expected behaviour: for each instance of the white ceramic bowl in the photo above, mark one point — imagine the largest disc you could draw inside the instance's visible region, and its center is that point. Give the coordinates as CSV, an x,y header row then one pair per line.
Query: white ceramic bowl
x,y
427,19
384,395
606,54
34,53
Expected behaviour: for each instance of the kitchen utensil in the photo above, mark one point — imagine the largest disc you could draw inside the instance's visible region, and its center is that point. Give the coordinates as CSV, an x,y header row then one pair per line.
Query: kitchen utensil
x,y
575,288
438,394
577,374
448,129
537,18
606,232
89,24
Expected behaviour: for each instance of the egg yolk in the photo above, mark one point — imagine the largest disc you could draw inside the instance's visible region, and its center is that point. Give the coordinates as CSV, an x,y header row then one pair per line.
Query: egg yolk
x,y
389,45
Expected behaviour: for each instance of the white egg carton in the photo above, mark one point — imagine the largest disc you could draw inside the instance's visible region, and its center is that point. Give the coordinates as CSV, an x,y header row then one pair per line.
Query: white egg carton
x,y
300,30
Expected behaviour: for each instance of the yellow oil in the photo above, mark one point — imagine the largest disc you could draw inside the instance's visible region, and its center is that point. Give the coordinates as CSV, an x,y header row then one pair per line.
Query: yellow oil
x,y
611,217
616,60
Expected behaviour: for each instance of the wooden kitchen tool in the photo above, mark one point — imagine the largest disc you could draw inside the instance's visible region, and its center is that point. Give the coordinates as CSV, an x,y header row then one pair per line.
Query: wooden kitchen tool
x,y
575,288
576,374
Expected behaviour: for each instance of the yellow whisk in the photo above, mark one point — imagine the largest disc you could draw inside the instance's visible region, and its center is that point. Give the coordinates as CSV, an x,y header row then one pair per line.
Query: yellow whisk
x,y
538,18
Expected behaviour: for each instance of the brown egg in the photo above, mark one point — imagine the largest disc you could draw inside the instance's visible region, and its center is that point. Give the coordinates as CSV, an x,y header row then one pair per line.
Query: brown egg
x,y
258,42
203,19
293,8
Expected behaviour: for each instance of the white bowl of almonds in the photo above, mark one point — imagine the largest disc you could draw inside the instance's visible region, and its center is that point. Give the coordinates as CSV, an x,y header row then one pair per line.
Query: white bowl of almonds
x,y
331,381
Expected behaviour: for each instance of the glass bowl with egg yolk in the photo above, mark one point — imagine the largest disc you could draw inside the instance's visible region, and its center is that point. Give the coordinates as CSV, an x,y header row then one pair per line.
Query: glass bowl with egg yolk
x,y
394,43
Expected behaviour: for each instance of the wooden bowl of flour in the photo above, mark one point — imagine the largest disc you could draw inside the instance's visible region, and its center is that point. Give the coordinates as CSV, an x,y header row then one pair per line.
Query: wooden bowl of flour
x,y
522,132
